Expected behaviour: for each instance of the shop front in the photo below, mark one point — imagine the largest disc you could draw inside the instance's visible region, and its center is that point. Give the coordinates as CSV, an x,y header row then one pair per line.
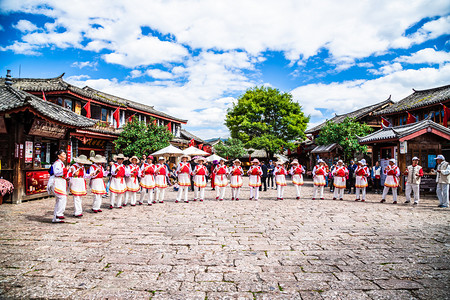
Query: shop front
x,y
425,140
31,132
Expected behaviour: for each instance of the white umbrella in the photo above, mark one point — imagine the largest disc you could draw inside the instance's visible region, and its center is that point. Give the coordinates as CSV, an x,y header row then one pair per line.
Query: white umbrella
x,y
215,157
193,151
168,151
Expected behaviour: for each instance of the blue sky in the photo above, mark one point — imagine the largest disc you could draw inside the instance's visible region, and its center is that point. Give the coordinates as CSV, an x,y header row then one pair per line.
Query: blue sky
x,y
192,59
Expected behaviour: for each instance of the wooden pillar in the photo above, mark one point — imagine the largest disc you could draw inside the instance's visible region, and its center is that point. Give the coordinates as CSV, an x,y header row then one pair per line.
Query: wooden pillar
x,y
18,163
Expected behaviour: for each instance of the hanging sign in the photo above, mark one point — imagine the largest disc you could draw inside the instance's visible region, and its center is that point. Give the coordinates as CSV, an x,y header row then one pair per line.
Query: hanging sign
x,y
47,129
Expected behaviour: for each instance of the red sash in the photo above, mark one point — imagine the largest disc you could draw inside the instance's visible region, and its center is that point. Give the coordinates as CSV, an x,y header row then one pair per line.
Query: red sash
x,y
201,170
340,173
65,172
149,170
281,172
162,170
320,171
184,169
360,172
237,171
255,171
100,174
221,170
298,170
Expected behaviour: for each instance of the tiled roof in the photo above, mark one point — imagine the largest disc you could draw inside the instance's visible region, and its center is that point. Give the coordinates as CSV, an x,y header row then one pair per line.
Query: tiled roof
x,y
357,114
396,133
12,98
419,99
189,136
325,148
58,84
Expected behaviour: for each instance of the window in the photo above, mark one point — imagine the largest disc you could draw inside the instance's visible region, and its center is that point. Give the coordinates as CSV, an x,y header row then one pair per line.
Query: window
x,y
96,112
104,115
68,104
59,101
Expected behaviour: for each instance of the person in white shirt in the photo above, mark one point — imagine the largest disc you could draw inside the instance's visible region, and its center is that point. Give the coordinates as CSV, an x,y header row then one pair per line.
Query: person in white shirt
x,y
297,171
77,183
392,173
220,179
413,174
118,186
183,173
442,180
132,173
98,188
57,186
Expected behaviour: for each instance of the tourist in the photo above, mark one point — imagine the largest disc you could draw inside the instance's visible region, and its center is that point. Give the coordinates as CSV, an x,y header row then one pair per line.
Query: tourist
x,y
254,173
280,178
147,180
392,173
220,179
236,179
132,172
340,174
414,174
97,184
351,176
118,186
270,168
77,183
297,171
319,173
442,180
361,173
183,173
200,172
330,177
161,179
264,176
376,177
57,186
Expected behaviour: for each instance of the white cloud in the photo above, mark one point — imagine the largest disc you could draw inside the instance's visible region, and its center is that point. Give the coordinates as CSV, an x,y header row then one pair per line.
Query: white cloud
x,y
25,26
159,74
425,56
387,69
84,64
351,95
136,74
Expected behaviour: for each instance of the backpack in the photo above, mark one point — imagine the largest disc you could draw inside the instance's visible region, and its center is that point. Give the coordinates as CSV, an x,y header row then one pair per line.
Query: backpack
x,y
50,171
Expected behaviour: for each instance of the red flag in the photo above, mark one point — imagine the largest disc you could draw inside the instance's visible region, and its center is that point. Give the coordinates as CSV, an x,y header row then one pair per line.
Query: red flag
x,y
43,96
410,119
191,143
154,122
446,115
87,107
131,118
169,126
385,123
116,116
200,146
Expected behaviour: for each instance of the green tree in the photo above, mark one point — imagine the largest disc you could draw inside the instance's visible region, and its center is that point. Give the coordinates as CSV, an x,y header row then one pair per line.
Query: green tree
x,y
232,148
265,118
138,138
345,134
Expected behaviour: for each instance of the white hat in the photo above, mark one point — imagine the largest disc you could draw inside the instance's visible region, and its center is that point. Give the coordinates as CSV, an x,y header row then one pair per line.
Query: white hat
x,y
187,156
255,160
320,161
136,158
98,159
82,159
440,156
295,161
200,159
161,158
236,161
280,162
415,158
363,161
120,156
340,161
392,160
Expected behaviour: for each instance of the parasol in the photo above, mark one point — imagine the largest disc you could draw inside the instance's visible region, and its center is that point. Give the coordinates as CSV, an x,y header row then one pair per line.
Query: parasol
x,y
191,151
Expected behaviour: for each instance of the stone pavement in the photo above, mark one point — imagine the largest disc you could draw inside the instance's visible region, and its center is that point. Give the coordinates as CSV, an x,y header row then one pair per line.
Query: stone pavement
x,y
290,249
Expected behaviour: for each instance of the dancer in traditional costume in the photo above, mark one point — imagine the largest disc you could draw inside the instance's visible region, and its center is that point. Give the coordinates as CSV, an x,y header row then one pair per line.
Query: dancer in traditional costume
x,y
132,173
280,178
254,173
319,173
414,174
339,180
220,179
361,173
161,179
297,171
97,184
183,172
57,186
200,172
147,180
236,172
392,173
118,186
77,183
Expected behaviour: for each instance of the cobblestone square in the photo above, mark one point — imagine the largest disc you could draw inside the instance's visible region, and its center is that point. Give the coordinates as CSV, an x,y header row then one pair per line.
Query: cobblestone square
x,y
266,249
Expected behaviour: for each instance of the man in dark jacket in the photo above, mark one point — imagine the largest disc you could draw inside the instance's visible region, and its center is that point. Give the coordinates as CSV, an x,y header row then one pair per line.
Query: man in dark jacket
x,y
351,177
264,176
270,168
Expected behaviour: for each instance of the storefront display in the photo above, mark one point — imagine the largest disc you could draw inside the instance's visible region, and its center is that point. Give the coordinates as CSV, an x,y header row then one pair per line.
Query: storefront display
x,y
36,182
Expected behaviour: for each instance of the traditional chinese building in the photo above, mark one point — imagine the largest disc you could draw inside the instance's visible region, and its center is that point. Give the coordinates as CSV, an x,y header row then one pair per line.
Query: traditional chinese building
x,y
32,130
110,113
425,136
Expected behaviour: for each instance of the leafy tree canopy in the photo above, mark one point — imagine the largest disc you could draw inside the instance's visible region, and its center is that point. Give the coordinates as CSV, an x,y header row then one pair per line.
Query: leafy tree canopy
x,y
232,148
344,134
138,138
265,118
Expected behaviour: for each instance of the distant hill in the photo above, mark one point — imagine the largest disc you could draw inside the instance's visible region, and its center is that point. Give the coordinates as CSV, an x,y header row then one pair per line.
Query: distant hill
x,y
215,139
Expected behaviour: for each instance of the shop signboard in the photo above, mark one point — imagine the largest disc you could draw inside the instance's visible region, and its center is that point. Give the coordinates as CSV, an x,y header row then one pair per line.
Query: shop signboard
x,y
47,129
36,182
28,152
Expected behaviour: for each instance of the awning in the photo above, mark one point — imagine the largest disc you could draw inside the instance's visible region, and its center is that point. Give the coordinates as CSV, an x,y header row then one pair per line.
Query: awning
x,y
325,148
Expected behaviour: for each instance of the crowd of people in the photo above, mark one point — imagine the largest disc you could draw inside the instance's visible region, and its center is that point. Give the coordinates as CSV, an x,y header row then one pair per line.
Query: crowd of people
x,y
152,180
